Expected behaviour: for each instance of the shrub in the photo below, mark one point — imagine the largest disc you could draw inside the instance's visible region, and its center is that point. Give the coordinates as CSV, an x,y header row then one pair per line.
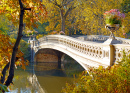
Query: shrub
x,y
114,79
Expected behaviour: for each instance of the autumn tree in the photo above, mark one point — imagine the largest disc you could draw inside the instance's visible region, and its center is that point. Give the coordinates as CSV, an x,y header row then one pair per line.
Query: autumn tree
x,y
83,15
59,13
17,10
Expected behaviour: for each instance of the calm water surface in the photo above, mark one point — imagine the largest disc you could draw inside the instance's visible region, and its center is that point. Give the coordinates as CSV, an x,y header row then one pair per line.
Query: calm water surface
x,y
45,77
44,81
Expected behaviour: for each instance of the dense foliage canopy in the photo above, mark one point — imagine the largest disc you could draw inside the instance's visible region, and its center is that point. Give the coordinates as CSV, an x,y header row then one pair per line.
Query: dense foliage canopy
x,y
86,16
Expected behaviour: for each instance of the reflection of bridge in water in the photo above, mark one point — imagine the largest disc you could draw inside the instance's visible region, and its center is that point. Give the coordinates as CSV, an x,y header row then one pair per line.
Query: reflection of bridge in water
x,y
35,83
87,51
48,80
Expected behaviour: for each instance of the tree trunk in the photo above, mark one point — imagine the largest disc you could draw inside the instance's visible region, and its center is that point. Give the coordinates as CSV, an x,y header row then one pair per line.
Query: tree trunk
x,y
62,21
15,48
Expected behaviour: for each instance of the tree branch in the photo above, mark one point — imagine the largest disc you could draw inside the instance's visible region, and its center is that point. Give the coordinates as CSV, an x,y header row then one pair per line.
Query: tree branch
x,y
55,3
27,8
70,9
4,73
67,2
21,4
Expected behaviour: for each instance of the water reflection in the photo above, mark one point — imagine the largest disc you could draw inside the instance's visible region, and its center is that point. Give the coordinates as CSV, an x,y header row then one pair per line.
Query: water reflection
x,y
52,79
22,83
47,81
43,77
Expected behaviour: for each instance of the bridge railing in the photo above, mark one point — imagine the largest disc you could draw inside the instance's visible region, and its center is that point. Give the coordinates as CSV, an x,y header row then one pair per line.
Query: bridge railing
x,y
101,38
98,52
119,48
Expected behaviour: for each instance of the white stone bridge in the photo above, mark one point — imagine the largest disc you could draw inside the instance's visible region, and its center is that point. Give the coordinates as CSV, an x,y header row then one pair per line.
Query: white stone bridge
x,y
88,51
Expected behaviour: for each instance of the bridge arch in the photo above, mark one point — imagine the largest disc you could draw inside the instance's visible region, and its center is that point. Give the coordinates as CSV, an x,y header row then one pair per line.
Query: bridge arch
x,y
62,50
45,53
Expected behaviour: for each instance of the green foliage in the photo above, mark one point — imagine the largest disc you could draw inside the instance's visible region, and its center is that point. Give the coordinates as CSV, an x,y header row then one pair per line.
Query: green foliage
x,y
115,79
41,28
113,21
25,49
5,25
3,88
126,6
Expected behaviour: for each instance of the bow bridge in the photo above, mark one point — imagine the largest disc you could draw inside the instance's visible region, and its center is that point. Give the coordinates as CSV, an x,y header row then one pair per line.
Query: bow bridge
x,y
88,51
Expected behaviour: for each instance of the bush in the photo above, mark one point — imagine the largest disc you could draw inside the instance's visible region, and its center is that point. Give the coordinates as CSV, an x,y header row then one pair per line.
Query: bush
x,y
114,79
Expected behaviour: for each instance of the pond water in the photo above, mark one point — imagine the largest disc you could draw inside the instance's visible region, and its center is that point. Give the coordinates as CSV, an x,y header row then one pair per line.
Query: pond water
x,y
35,80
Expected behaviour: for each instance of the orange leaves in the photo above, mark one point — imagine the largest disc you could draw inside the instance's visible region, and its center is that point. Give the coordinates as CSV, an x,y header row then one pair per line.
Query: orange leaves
x,y
11,9
19,54
37,14
1,11
6,48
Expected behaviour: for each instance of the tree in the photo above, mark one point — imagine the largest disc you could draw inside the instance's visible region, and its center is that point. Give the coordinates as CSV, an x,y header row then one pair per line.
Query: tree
x,y
15,9
115,79
60,11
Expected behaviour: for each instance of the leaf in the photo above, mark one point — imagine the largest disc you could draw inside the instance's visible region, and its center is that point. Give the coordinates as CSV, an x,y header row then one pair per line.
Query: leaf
x,y
3,87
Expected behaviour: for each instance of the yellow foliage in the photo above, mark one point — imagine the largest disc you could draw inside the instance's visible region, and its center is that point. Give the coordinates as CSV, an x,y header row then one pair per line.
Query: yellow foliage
x,y
39,36
11,10
90,17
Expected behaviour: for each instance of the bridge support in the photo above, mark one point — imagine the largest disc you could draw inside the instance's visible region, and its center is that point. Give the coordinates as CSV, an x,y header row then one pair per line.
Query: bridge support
x,y
111,48
59,54
112,55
